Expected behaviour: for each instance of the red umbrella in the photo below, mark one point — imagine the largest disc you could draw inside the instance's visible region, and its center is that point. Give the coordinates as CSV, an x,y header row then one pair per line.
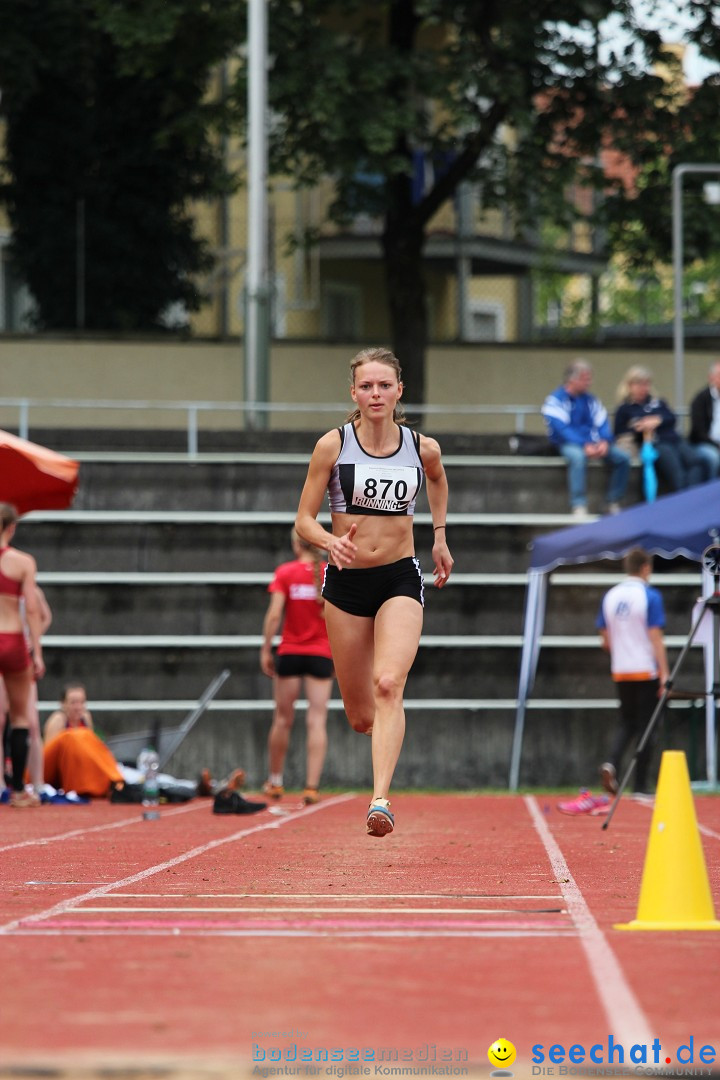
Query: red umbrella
x,y
33,477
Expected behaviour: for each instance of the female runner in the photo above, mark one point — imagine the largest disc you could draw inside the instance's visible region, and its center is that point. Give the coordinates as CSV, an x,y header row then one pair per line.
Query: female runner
x,y
373,469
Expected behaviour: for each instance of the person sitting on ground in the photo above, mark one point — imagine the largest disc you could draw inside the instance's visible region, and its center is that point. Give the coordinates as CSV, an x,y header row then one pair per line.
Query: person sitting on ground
x,y
642,414
75,758
577,424
705,420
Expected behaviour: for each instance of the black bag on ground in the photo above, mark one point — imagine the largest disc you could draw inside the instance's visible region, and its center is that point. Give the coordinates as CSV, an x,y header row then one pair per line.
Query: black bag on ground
x,y
126,793
231,802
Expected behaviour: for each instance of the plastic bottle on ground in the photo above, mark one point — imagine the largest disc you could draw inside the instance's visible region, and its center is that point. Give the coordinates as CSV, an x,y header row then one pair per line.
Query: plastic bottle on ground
x,y
149,765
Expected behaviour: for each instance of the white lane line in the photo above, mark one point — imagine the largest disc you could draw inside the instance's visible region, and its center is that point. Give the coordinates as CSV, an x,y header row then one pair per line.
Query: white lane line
x,y
202,849
709,832
625,1017
243,910
42,840
345,896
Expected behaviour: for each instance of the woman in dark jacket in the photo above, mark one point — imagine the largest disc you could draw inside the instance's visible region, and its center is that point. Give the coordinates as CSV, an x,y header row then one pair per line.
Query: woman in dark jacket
x,y
642,414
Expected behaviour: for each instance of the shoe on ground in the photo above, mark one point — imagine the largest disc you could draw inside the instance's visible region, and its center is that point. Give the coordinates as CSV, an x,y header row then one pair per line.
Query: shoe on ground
x,y
580,511
608,778
585,803
273,791
613,508
228,801
311,796
380,821
24,799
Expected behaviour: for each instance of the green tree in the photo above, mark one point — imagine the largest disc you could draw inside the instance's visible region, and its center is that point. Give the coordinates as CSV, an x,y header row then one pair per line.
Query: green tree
x,y
640,218
512,94
108,136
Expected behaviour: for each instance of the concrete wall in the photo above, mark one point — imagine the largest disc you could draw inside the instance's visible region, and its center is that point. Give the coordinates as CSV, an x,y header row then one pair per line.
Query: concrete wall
x,y
173,370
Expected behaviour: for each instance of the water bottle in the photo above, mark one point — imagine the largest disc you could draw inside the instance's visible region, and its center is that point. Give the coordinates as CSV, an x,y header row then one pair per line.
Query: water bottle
x,y
149,765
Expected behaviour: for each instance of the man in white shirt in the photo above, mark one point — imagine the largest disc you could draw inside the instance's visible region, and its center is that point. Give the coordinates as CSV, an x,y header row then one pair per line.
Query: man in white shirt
x,y
631,621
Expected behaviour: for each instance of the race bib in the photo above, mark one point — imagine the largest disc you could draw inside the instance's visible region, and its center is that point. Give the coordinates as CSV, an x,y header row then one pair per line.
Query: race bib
x,y
384,489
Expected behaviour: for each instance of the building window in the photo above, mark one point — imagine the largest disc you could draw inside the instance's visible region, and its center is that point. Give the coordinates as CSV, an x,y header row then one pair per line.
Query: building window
x,y
342,311
486,321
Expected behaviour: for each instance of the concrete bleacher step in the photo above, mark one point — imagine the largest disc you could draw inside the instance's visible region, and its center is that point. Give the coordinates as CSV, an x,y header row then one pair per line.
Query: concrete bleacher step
x,y
456,744
153,540
256,481
487,665
227,603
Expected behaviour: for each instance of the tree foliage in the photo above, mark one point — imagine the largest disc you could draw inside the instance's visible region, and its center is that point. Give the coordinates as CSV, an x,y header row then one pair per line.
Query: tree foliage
x,y
109,135
511,94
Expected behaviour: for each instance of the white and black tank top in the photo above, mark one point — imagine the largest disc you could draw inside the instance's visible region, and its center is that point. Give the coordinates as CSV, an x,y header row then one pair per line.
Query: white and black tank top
x,y
361,483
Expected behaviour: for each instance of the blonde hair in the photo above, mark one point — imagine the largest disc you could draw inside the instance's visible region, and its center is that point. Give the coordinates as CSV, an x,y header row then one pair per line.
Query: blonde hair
x,y
318,556
637,373
381,355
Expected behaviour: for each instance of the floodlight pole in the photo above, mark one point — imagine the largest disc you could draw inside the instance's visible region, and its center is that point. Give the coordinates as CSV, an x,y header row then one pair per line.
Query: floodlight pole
x,y
257,292
677,249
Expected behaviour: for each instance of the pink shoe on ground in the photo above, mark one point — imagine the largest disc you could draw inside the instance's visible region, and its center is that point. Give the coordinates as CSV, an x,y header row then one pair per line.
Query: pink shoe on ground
x,y
585,803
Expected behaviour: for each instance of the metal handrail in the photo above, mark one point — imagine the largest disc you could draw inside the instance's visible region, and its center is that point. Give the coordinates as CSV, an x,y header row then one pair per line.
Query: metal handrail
x,y
193,409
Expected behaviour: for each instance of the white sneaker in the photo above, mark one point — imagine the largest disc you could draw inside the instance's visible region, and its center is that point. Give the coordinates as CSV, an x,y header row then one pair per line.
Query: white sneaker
x,y
613,508
580,511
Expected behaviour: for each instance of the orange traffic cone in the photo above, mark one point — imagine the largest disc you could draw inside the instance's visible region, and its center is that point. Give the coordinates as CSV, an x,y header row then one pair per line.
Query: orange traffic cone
x,y
675,892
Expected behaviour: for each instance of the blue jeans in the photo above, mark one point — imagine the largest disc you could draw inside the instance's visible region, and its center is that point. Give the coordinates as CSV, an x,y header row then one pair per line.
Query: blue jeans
x,y
682,465
616,459
710,454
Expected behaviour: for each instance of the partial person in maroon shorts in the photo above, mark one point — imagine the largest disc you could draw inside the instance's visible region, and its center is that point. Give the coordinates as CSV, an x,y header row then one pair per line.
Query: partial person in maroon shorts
x,y
303,658
18,667
35,751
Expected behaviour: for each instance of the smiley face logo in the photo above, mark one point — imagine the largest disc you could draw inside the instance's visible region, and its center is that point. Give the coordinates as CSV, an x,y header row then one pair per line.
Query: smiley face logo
x,y
502,1053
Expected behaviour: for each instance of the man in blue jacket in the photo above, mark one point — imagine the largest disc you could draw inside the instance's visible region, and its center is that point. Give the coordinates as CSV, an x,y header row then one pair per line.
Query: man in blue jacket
x,y
577,424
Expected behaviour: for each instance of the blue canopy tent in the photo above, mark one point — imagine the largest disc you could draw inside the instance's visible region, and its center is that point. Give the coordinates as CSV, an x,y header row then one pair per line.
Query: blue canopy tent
x,y
682,524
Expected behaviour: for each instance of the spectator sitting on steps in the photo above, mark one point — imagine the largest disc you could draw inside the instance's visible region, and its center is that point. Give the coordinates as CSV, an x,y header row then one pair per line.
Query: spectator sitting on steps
x,y
705,420
642,413
577,424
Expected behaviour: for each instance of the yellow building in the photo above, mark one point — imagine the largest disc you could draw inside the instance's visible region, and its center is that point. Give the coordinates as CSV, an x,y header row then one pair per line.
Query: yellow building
x,y
479,276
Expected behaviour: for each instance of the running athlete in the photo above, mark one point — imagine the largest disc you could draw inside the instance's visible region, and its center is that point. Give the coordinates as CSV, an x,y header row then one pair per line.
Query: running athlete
x,y
18,667
373,469
303,657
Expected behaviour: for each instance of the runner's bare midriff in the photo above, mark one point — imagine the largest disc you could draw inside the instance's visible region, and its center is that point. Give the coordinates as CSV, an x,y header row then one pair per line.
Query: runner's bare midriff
x,y
380,539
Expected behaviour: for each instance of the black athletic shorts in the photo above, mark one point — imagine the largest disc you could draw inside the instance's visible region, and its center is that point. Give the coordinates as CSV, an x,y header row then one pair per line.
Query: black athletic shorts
x,y
317,667
364,591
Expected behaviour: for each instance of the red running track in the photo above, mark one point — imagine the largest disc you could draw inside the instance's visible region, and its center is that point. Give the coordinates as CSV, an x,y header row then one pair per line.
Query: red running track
x,y
208,939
